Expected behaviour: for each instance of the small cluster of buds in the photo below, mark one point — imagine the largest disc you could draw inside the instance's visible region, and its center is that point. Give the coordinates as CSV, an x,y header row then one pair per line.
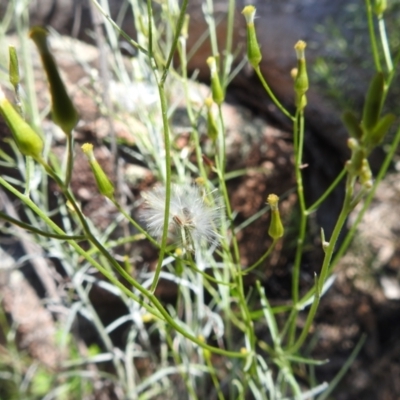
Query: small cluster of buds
x,y
369,133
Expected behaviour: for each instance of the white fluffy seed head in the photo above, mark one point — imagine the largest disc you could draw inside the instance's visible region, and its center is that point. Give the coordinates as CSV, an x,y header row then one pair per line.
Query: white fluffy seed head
x,y
193,218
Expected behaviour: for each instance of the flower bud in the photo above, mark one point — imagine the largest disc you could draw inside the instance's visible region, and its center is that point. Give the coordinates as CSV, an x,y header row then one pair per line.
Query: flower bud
x,y
216,88
13,67
276,229
357,159
105,186
253,49
28,141
301,80
380,7
63,112
352,144
212,129
366,175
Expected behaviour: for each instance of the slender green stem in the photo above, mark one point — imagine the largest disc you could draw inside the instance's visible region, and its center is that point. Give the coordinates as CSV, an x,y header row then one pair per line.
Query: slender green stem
x,y
214,378
32,229
327,192
385,44
298,150
156,309
29,168
209,17
178,30
167,146
349,362
189,108
272,95
228,44
70,158
374,47
118,29
261,259
326,263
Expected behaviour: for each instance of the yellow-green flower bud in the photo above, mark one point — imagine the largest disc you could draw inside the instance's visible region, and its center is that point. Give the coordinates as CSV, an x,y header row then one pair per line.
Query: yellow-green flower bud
x,y
276,229
13,67
28,141
216,88
212,129
357,155
366,175
301,80
380,7
105,186
63,111
253,48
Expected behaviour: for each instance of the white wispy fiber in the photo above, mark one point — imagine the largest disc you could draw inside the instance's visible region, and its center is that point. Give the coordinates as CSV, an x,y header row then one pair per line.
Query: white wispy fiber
x,y
193,218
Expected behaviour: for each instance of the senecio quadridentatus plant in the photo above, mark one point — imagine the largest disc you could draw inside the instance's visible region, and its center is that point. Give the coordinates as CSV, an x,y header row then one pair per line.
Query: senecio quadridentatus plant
x,y
197,217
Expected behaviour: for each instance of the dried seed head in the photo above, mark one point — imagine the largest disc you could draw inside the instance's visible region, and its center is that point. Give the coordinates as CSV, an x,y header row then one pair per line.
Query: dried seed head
x,y
193,219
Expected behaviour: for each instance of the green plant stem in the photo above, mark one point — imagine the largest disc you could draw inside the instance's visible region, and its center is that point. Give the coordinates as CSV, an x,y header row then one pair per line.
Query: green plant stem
x,y
346,366
118,29
167,143
156,309
261,259
374,47
167,146
209,16
32,229
298,129
22,23
70,158
327,192
175,41
81,291
228,44
193,121
29,168
272,95
385,44
214,378
325,270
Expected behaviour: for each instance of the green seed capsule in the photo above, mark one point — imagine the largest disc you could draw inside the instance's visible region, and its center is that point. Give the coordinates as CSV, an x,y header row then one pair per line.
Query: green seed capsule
x,y
216,88
63,111
105,186
13,67
301,78
276,229
28,141
253,48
